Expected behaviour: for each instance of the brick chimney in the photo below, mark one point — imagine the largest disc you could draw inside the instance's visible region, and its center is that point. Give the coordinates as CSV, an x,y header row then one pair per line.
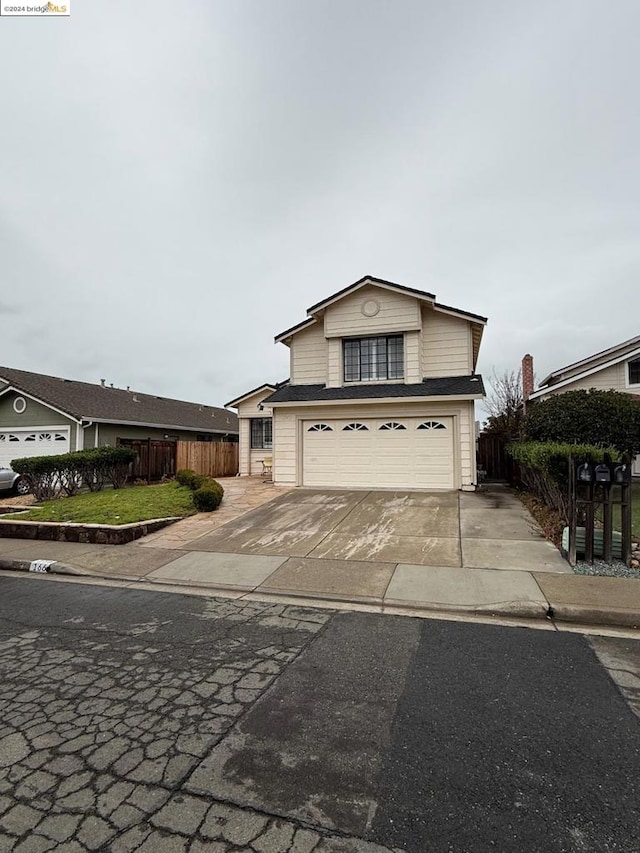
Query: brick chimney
x,y
527,379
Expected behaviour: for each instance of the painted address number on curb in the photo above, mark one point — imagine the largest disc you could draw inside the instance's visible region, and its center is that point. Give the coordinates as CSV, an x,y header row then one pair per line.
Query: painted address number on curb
x,y
41,565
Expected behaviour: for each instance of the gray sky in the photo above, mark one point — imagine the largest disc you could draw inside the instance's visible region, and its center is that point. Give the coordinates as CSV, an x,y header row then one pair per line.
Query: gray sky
x,y
179,182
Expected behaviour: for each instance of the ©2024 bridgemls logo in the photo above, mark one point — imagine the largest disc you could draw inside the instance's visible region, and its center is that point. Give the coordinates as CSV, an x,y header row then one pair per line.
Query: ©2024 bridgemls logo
x,y
35,9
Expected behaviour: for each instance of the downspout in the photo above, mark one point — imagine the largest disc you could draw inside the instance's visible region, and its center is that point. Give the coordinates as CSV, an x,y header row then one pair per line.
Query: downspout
x,y
84,427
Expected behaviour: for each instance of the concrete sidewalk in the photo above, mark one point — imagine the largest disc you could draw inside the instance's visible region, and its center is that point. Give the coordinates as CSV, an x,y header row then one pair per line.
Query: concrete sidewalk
x,y
385,585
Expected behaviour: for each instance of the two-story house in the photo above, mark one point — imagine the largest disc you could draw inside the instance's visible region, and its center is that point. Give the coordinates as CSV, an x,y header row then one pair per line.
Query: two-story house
x,y
381,395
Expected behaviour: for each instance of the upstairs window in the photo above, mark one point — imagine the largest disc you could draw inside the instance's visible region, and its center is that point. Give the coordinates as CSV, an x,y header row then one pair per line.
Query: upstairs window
x,y
261,433
373,359
634,371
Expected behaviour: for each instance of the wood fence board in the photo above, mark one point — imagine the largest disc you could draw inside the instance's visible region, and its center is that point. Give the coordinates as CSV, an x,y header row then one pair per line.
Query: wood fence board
x,y
211,458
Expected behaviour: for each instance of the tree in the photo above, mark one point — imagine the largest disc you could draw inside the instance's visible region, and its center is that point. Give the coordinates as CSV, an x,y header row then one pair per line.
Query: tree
x,y
504,403
602,418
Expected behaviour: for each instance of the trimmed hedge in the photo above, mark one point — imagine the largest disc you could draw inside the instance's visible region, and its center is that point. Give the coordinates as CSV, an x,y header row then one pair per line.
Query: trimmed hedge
x,y
207,493
49,476
544,468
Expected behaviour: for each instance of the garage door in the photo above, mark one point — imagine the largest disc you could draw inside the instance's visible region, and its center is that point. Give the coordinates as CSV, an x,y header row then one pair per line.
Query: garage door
x,y
402,453
16,443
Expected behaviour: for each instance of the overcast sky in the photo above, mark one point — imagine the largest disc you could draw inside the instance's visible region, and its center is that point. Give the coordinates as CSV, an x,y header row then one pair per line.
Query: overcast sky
x,y
180,181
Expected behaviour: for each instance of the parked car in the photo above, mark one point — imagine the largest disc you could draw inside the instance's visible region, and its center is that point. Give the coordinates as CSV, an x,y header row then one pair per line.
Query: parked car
x,y
13,483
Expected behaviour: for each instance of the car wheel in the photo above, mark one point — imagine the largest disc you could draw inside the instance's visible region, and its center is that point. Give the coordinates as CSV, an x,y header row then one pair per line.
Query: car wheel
x,y
22,486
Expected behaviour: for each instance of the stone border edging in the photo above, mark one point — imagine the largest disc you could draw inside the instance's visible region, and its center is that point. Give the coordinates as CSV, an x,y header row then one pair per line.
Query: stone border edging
x,y
87,534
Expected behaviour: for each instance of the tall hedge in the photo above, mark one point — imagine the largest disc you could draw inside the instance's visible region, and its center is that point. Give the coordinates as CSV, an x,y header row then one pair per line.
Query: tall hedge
x,y
68,472
597,418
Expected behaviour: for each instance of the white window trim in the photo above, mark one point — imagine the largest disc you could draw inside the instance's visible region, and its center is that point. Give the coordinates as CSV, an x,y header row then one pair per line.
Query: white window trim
x,y
632,386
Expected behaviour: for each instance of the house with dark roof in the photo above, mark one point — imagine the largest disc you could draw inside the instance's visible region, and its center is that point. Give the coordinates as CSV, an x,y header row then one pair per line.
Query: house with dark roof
x,y
41,415
381,394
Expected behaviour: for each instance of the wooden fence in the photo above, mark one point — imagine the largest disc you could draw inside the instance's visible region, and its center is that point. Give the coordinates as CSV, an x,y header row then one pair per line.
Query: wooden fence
x,y
494,460
155,460
211,458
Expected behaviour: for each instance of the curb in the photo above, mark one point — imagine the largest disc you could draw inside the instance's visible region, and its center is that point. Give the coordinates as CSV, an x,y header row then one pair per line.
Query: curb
x,y
614,617
41,567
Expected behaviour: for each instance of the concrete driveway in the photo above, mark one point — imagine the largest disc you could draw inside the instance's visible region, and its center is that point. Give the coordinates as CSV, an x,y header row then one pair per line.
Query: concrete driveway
x,y
411,527
485,529
398,547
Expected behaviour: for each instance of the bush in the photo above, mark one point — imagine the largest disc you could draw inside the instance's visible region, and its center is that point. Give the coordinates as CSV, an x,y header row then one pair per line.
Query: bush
x,y
208,496
189,478
185,476
67,472
544,468
597,418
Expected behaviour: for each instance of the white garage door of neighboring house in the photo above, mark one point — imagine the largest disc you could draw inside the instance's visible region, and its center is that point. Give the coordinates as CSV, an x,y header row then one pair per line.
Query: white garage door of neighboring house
x,y
41,441
400,453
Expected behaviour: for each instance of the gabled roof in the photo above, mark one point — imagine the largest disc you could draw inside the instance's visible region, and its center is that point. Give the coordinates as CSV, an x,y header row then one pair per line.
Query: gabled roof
x,y
266,387
314,311
86,401
466,386
370,279
579,366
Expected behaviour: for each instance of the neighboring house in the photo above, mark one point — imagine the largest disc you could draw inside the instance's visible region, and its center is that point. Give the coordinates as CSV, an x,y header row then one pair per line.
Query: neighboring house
x,y
42,415
616,368
381,394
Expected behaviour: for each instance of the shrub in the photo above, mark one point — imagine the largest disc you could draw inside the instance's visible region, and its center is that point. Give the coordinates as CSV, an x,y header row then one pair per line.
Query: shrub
x,y
185,476
42,473
67,472
544,468
208,496
598,418
189,478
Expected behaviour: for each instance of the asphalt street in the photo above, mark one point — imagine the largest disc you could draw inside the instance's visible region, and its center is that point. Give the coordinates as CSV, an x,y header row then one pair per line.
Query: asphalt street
x,y
134,720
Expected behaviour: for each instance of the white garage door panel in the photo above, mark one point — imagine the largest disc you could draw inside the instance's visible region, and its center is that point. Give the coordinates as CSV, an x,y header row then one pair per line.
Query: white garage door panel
x,y
38,441
391,458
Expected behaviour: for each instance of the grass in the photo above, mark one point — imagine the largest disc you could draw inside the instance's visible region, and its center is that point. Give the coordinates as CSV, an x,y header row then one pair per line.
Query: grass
x,y
635,512
115,506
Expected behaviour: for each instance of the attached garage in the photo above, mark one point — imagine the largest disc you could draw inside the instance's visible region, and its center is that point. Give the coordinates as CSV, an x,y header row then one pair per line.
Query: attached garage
x,y
18,442
397,452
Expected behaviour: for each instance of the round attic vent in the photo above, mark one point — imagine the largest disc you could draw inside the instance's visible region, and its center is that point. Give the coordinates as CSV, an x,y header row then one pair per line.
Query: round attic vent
x,y
19,405
370,307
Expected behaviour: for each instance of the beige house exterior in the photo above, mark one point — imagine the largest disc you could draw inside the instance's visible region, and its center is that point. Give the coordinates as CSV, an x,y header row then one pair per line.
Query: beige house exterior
x,y
381,395
616,369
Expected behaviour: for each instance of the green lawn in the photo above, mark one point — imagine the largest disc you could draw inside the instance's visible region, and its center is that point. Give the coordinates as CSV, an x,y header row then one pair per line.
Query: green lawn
x,y
115,506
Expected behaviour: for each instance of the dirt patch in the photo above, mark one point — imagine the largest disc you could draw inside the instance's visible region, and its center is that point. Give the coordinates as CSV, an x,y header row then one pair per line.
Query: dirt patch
x,y
549,520
18,500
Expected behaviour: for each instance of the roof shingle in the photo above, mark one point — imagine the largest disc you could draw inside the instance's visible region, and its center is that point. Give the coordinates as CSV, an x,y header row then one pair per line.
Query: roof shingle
x,y
86,400
447,386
